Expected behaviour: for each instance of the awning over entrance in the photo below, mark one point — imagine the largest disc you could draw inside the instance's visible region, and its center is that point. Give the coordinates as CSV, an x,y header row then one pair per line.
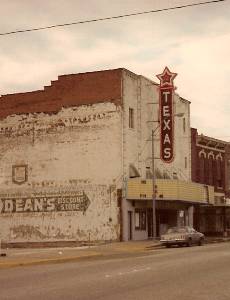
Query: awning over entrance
x,y
170,190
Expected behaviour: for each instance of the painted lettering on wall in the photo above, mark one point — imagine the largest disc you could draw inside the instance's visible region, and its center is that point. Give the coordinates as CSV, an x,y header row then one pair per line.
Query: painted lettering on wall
x,y
39,127
166,115
76,202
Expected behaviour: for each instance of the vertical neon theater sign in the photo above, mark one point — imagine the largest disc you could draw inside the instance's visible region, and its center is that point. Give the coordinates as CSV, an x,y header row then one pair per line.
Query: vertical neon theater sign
x,y
166,93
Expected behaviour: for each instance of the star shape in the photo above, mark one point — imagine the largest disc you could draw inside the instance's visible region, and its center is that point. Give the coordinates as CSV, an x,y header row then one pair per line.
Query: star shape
x,y
166,78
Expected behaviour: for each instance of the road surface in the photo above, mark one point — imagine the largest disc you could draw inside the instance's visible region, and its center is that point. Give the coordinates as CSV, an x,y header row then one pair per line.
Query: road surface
x,y
166,274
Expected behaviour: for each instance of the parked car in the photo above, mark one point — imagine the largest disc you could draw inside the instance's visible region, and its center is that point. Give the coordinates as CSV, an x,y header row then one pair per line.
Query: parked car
x,y
182,236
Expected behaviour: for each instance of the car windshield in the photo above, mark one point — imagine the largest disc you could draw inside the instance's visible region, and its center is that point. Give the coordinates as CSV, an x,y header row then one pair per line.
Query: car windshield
x,y
177,230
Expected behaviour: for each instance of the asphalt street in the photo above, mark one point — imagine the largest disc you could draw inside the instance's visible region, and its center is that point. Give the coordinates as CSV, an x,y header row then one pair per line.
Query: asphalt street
x,y
178,273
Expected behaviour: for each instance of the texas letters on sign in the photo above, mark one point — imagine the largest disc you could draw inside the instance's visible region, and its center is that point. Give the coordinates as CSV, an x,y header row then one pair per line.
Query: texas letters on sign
x,y
166,125
166,115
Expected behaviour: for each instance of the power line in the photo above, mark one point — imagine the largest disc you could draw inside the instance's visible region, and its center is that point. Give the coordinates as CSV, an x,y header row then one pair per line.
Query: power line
x,y
110,18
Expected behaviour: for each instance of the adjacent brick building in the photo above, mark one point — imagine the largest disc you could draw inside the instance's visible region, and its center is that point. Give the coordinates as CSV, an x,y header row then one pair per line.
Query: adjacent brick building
x,y
211,166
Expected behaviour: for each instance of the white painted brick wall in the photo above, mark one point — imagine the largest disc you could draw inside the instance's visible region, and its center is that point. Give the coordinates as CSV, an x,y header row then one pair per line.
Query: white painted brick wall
x,y
138,151
74,150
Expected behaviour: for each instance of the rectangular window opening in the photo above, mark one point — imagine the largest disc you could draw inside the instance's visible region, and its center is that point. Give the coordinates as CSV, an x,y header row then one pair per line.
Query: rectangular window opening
x,y
184,124
131,118
140,219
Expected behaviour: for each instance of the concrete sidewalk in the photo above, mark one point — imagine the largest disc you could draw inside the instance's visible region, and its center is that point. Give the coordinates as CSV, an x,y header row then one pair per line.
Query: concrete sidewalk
x,y
25,257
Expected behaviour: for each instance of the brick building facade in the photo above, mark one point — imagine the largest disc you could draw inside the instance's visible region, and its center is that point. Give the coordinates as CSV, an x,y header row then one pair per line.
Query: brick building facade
x,y
56,179
76,161
211,166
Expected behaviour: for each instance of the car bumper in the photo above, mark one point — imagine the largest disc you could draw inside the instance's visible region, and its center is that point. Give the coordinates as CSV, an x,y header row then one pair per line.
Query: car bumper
x,y
173,242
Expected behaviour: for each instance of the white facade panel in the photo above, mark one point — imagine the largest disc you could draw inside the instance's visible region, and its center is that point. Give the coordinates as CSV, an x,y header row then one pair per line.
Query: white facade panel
x,y
142,95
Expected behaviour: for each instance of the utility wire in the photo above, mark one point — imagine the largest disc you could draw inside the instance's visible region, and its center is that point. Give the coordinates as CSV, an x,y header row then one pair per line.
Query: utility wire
x,y
110,18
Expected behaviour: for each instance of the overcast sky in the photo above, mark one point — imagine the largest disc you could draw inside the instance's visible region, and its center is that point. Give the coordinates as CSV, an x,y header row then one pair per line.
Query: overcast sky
x,y
193,42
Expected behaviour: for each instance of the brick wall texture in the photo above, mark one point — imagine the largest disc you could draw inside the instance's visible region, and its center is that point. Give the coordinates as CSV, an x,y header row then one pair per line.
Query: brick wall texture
x,y
68,90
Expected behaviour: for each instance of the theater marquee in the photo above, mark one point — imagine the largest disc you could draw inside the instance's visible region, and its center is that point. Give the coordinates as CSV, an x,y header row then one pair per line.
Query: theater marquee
x,y
166,93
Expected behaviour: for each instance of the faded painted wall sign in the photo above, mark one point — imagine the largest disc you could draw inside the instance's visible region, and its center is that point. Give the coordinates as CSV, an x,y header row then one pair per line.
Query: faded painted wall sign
x,y
77,202
166,115
19,174
58,125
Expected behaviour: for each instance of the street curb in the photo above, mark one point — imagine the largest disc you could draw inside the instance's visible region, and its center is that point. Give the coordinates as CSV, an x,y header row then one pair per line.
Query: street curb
x,y
7,265
216,241
206,242
57,260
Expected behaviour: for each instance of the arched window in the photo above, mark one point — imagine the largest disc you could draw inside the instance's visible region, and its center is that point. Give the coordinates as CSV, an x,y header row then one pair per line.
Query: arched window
x,y
211,171
219,177
202,168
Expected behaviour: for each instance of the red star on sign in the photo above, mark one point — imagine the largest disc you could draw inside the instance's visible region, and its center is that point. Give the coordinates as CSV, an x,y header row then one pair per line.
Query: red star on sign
x,y
166,78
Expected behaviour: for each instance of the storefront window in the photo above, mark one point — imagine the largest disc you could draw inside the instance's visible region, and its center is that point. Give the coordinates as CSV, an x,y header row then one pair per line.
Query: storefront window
x,y
140,219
